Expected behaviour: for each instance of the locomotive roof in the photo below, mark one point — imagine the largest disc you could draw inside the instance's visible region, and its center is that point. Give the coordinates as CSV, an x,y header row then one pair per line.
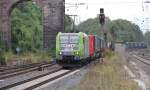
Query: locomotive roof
x,y
73,33
69,33
84,34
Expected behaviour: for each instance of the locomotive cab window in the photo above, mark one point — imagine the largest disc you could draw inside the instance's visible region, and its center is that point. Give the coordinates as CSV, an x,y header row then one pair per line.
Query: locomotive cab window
x,y
74,39
69,42
64,39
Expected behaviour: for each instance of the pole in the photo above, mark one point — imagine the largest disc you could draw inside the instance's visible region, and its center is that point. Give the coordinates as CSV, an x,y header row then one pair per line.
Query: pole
x,y
102,22
74,17
0,19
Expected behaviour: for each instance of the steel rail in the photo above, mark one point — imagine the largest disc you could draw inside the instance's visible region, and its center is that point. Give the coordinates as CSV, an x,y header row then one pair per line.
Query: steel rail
x,y
48,80
24,71
15,68
145,61
30,79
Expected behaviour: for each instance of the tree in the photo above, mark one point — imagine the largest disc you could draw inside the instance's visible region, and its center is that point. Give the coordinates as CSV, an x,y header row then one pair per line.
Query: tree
x,y
27,27
90,26
120,30
147,37
123,30
1,42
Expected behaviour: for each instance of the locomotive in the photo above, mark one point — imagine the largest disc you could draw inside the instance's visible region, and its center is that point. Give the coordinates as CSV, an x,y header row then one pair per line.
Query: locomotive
x,y
78,48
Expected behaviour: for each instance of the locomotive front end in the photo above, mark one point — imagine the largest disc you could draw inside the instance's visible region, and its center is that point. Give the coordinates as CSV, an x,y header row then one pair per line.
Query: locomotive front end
x,y
68,48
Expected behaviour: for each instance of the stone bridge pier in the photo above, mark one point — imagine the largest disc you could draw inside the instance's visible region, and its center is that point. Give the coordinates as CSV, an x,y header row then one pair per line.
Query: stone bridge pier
x,y
53,20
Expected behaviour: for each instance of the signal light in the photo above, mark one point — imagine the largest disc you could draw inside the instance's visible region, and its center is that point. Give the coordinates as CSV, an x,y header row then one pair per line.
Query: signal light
x,y
77,53
102,19
102,16
102,10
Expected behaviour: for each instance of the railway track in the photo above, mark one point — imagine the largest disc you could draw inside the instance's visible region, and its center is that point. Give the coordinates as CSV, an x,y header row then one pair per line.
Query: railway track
x,y
145,61
13,78
29,79
143,56
15,68
23,71
37,81
16,79
49,80
12,69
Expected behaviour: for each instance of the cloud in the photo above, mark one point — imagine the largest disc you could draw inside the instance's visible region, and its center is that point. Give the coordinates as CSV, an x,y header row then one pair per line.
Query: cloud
x,y
114,9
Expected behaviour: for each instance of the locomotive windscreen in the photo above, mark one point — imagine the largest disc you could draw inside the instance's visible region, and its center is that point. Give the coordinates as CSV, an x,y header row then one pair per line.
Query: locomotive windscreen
x,y
69,42
70,39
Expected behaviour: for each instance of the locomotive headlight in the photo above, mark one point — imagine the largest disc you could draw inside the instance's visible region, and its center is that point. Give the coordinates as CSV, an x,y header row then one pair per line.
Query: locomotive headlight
x,y
77,53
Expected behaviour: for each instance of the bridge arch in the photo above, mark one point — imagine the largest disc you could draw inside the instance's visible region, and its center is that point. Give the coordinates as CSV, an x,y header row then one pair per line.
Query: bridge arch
x,y
53,19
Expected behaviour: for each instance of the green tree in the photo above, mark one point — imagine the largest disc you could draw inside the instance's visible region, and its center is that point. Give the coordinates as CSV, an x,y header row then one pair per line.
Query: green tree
x,y
125,30
1,42
90,26
26,24
119,30
147,37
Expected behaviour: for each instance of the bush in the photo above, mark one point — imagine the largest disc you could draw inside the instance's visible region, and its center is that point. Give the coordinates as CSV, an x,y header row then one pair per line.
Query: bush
x,y
2,58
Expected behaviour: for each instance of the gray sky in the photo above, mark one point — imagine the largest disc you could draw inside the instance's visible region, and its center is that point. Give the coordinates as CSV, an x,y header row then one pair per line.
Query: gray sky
x,y
114,9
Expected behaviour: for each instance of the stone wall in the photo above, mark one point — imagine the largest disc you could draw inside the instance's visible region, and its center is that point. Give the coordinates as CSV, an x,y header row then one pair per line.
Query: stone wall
x,y
53,20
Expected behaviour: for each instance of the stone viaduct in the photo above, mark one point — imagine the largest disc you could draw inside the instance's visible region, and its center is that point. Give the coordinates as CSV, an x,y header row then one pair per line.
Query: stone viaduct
x,y
53,19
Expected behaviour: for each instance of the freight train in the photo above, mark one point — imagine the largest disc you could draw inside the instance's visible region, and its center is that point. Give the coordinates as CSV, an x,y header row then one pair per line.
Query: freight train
x,y
135,45
78,48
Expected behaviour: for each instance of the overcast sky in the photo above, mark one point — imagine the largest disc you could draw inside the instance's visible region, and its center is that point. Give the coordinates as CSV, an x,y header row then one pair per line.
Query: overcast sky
x,y
131,10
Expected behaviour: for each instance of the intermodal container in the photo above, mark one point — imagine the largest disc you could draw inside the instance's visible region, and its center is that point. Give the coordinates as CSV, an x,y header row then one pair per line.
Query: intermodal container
x,y
91,44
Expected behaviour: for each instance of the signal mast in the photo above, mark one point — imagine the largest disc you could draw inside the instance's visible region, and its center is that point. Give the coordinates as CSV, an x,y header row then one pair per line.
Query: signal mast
x,y
102,22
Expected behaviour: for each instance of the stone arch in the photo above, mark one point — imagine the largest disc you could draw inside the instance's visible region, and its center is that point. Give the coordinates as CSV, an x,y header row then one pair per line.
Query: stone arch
x,y
37,2
53,20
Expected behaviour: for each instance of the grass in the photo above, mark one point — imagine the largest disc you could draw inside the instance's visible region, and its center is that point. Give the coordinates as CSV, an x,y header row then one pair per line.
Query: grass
x,y
29,57
108,75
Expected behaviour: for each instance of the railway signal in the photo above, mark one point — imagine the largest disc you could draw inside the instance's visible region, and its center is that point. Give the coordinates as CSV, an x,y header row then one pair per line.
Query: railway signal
x,y
102,22
102,16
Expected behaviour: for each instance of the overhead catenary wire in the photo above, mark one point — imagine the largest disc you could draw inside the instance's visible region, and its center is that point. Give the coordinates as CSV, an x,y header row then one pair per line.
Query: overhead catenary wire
x,y
75,6
141,21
